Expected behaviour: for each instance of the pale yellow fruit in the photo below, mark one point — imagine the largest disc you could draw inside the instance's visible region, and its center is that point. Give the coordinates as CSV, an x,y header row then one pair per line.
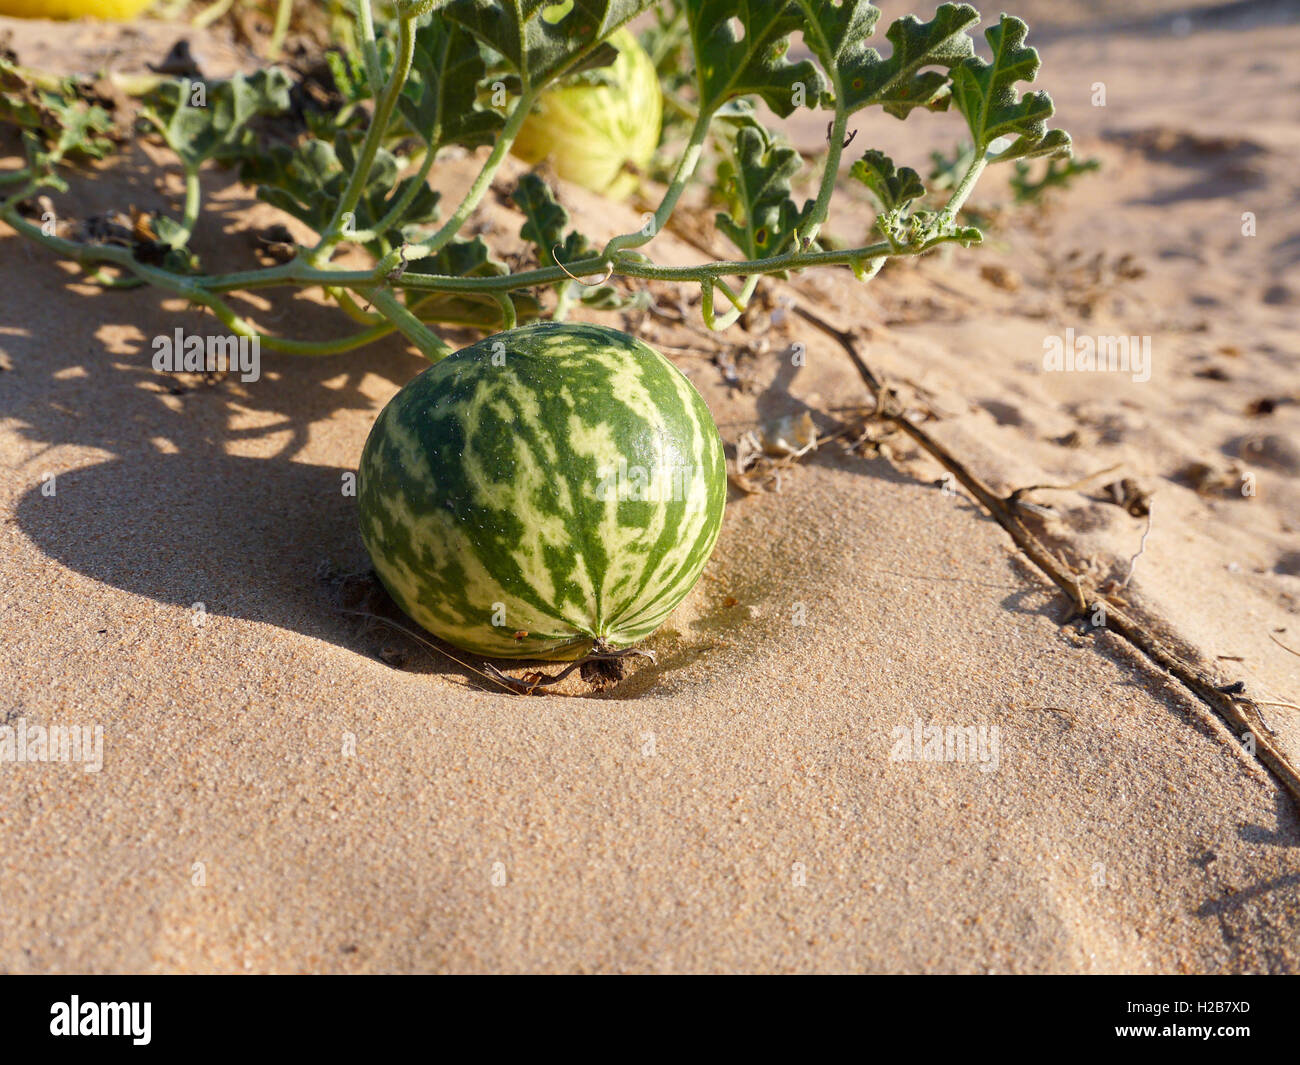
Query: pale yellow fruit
x,y
598,135
108,9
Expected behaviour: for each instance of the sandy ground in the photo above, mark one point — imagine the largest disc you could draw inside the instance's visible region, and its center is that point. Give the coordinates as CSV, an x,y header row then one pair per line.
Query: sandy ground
x,y
275,796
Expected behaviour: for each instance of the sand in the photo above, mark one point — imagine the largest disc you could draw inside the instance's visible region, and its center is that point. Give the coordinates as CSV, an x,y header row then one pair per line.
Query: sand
x,y
276,797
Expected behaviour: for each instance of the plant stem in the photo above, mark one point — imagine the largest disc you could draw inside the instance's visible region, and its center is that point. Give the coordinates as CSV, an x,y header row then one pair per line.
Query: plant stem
x,y
829,173
514,123
398,210
187,288
431,346
563,301
282,15
717,323
369,47
193,205
965,187
131,84
509,318
775,264
685,170
352,308
300,272
370,146
210,14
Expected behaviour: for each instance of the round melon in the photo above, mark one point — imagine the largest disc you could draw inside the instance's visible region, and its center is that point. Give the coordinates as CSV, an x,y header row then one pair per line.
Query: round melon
x,y
592,126
65,9
543,491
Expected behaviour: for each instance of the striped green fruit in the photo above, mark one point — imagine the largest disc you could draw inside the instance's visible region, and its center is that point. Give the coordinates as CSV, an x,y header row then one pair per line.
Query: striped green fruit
x,y
541,490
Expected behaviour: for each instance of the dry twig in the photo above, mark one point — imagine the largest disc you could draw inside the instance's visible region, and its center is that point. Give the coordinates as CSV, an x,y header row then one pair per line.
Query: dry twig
x,y
1228,707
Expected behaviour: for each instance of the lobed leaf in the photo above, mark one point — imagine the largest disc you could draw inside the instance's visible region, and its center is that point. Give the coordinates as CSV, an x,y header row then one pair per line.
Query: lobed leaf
x,y
470,258
894,188
440,100
1058,173
762,218
1055,143
838,35
753,62
541,39
56,123
545,222
348,72
308,180
985,93
218,129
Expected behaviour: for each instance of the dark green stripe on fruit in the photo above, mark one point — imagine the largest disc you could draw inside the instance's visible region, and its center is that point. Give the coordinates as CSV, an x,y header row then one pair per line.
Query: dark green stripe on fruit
x,y
481,491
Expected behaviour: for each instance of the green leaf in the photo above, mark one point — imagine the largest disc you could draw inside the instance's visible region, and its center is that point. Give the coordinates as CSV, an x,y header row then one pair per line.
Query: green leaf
x,y
349,74
308,180
894,188
470,258
923,229
985,92
209,120
417,8
1055,143
382,191
169,231
946,170
838,33
1058,174
303,181
465,258
754,62
57,122
344,99
545,222
440,97
609,298
82,130
762,218
540,39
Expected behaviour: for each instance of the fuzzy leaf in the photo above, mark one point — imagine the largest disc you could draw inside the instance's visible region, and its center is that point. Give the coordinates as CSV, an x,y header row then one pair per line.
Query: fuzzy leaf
x,y
303,181
985,92
893,187
307,181
838,35
609,298
540,39
218,129
470,311
465,258
344,98
545,222
1059,173
762,217
59,121
1054,144
728,65
440,97
470,258
349,75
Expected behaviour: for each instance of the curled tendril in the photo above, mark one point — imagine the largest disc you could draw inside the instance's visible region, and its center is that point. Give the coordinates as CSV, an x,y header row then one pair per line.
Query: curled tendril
x,y
609,271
